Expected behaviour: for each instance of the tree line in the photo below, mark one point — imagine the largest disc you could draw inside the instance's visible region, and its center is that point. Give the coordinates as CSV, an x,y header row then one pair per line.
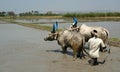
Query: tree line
x,y
29,13
36,13
9,13
93,14
50,13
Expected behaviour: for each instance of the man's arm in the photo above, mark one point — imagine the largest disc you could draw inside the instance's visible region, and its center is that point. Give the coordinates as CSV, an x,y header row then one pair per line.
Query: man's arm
x,y
102,45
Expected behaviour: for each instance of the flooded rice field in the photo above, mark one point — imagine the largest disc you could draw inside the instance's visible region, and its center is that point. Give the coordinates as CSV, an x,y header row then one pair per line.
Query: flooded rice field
x,y
112,26
23,49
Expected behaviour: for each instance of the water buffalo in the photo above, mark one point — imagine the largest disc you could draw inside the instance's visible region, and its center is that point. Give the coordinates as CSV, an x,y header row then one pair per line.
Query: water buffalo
x,y
87,32
67,38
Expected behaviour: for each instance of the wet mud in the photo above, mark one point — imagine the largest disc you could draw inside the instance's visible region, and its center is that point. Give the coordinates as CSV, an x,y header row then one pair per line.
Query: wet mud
x,y
23,49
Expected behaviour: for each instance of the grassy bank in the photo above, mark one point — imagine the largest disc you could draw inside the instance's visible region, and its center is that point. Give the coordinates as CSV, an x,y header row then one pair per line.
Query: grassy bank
x,y
39,17
36,26
112,41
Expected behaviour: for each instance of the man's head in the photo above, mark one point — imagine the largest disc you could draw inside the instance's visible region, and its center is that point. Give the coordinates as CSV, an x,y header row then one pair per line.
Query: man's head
x,y
94,33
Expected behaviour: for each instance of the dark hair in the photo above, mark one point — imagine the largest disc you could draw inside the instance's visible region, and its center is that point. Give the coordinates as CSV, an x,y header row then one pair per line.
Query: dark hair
x,y
95,31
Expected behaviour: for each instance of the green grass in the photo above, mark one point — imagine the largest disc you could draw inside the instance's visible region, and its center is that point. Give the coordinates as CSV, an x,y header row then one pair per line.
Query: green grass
x,y
114,39
114,42
36,26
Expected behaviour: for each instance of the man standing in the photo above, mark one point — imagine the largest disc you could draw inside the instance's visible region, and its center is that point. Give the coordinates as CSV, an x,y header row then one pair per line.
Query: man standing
x,y
95,44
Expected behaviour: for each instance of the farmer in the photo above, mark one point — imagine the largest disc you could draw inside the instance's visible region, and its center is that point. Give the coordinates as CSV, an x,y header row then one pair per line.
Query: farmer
x,y
95,44
74,25
55,27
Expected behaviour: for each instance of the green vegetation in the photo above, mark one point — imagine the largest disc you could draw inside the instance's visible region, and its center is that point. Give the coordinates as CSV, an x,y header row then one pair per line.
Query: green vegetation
x,y
90,16
93,14
36,13
50,13
114,42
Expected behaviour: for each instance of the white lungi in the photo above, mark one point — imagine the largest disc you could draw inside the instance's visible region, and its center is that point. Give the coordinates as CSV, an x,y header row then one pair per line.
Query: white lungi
x,y
94,46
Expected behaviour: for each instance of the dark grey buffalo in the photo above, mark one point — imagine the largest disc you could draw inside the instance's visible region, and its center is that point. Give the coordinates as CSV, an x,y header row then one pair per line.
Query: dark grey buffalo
x,y
66,39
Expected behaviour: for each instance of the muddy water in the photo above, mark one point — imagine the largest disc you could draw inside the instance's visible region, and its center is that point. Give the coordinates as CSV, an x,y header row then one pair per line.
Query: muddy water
x,y
23,49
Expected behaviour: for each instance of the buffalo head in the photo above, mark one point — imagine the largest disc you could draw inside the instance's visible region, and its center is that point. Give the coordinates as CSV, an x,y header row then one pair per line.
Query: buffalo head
x,y
51,37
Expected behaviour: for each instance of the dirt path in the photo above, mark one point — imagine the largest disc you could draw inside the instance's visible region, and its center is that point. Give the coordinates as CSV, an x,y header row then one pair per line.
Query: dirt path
x,y
23,49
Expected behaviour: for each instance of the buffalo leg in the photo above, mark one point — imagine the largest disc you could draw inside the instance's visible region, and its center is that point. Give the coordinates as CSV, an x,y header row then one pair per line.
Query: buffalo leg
x,y
80,53
74,55
64,49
